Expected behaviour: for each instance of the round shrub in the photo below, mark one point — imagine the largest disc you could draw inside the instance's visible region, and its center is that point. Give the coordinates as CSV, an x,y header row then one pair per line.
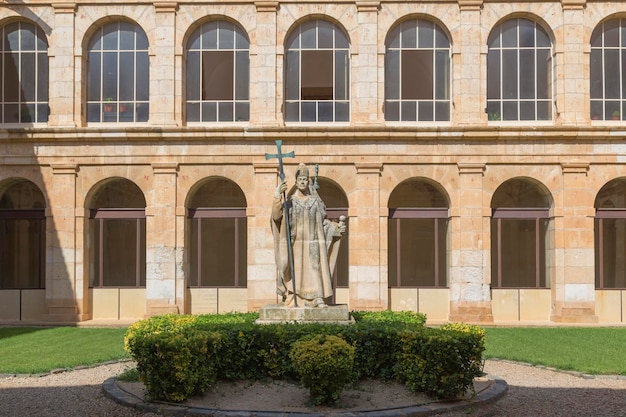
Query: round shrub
x,y
325,365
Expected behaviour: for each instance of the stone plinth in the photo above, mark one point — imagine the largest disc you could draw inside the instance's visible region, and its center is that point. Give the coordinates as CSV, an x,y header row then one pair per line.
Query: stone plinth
x,y
276,314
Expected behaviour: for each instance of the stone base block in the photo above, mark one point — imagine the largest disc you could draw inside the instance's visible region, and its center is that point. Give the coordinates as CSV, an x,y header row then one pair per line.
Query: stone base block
x,y
469,312
276,314
575,315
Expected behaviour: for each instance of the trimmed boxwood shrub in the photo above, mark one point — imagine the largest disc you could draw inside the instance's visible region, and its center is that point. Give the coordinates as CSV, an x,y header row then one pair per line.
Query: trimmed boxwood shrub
x,y
173,364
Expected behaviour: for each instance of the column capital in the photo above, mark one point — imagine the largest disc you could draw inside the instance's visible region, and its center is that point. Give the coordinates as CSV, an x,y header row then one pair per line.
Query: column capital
x,y
573,4
470,5
267,6
60,8
165,7
367,6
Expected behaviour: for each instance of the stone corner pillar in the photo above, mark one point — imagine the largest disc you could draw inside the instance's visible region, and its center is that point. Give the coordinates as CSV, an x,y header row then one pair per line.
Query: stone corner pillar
x,y
470,295
573,289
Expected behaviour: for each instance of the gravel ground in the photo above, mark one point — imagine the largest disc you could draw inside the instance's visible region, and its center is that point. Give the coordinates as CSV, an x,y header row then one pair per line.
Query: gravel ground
x,y
532,392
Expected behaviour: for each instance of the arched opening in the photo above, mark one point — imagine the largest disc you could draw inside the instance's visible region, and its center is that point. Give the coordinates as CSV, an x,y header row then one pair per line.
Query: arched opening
x,y
521,236
610,236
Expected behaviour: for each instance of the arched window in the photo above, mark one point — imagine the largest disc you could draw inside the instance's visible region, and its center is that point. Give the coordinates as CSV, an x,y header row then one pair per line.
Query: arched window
x,y
336,206
317,67
607,73
22,236
610,236
117,223
417,72
218,73
520,236
418,229
519,72
217,227
118,74
24,74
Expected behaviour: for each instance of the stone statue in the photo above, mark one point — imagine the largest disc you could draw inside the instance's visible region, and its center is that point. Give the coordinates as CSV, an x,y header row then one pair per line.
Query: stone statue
x,y
314,242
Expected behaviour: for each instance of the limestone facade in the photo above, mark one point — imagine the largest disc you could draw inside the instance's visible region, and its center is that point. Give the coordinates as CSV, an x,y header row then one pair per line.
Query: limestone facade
x,y
468,157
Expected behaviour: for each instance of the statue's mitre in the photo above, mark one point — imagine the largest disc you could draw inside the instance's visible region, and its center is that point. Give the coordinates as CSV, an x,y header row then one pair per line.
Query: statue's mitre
x,y
303,170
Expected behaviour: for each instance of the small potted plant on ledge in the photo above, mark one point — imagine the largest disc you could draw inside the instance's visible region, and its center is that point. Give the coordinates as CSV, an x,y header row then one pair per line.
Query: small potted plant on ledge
x,y
109,106
615,115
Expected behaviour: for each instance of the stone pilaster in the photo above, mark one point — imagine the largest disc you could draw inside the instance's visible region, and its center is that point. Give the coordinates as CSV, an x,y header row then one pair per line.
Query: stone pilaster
x,y
469,63
61,66
573,287
572,66
61,291
164,293
162,65
264,102
261,264
366,108
368,223
470,298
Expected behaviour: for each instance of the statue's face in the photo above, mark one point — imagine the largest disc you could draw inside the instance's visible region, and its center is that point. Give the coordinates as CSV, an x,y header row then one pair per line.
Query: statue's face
x,y
302,182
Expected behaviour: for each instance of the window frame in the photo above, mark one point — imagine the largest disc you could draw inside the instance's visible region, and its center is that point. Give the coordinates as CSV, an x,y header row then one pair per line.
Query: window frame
x,y
397,50
111,107
24,108
239,102
296,108
497,99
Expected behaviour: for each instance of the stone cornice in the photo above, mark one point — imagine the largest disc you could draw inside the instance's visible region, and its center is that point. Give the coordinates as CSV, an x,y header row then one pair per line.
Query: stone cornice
x,y
573,4
469,5
575,168
64,7
166,7
267,6
367,5
369,167
471,168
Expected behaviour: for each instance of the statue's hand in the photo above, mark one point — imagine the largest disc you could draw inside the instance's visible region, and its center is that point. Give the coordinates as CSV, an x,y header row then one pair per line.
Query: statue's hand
x,y
280,189
341,226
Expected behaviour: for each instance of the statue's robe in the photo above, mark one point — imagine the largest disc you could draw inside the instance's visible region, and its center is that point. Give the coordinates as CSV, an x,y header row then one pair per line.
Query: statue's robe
x,y
315,243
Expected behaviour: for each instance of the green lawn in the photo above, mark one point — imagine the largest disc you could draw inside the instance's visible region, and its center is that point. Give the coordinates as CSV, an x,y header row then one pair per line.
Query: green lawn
x,y
589,350
35,350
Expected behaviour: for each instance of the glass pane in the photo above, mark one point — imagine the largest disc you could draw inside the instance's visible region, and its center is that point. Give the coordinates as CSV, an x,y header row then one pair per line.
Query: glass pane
x,y
241,40
127,76
292,112
392,111
393,39
342,111
426,111
21,246
27,78
218,252
307,35
494,112
143,77
193,112
194,39
341,40
119,252
409,35
509,33
109,76
242,112
417,253
42,42
342,71
509,74
93,112
141,40
527,73
309,112
127,36
11,78
518,248
409,110
93,77
209,35
317,75
225,110
195,258
544,110
493,74
544,74
425,34
613,262
441,39
12,41
27,33
442,111
292,75
527,110
11,113
612,74
209,112
142,112
325,111
192,87
612,110
242,76
526,33
495,37
595,74
542,38
392,74
509,110
392,260
611,33
42,77
226,36
442,75
43,111
325,34
110,37
596,110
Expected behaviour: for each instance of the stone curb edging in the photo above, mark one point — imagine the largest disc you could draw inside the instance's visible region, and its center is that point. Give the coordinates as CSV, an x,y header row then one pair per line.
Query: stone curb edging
x,y
63,370
496,389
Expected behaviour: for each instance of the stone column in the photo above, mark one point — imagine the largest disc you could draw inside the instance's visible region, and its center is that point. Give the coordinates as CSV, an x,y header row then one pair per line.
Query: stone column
x,y
572,66
470,298
264,102
162,65
368,269
62,295
164,292
261,264
61,66
366,108
469,65
573,285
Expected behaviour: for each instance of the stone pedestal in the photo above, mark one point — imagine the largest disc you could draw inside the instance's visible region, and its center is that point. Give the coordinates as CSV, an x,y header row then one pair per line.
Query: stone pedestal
x,y
276,314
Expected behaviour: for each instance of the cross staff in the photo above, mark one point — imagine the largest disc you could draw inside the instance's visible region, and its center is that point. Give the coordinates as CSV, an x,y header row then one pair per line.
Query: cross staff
x,y
280,155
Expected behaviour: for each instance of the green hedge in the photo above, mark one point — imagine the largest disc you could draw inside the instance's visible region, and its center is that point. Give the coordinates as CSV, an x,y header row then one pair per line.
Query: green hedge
x,y
179,355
